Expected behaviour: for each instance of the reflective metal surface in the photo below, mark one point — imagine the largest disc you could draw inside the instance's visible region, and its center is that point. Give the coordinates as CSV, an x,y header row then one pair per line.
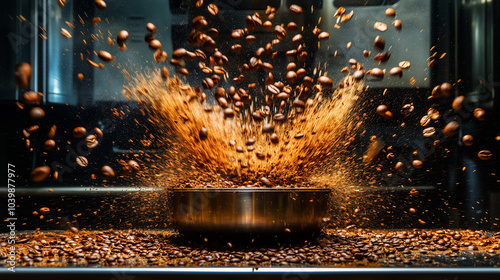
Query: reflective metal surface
x,y
248,210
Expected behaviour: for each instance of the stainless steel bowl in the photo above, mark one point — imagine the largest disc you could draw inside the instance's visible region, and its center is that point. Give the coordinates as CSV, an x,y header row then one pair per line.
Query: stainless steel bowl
x,y
248,210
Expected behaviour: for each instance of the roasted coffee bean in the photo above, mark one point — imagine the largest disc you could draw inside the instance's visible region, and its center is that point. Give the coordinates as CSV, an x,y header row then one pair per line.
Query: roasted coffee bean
x,y
213,9
91,141
122,37
451,128
458,103
273,89
199,22
100,4
279,117
291,76
134,166
407,109
296,9
383,57
379,42
49,144
446,89
105,56
298,135
484,155
325,81
32,98
37,113
425,120
274,139
468,140
82,161
396,71
268,128
239,150
376,73
23,75
283,95
397,24
359,74
180,53
79,132
39,174
323,35
479,114
429,132
390,12
107,172
155,44
44,210
236,48
301,73
265,182
380,26
183,71
297,39
208,83
203,133
237,34
433,114
399,166
228,113
381,110
280,32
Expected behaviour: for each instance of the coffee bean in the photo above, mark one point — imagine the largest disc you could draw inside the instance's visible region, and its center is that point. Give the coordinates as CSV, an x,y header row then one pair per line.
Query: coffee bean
x,y
446,89
379,42
268,128
82,161
429,132
100,4
390,12
122,37
433,114
458,103
381,110
44,210
451,128
49,144
213,9
323,35
228,113
135,167
325,81
37,113
107,172
32,98
417,164
250,39
105,56
180,53
296,9
425,120
203,133
154,44
399,166
396,71
404,64
380,26
274,138
377,73
265,182
291,76
279,117
479,114
484,155
280,32
91,141
298,135
79,132
273,89
214,33
358,74
292,26
468,140
397,24
52,131
407,109
39,174
297,39
199,22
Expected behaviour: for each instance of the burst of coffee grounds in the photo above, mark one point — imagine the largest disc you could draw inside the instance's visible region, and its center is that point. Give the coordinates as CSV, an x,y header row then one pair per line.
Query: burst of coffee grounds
x,y
285,146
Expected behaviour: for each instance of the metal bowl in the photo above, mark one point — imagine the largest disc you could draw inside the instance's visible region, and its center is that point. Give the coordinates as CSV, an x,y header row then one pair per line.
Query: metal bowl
x,y
251,210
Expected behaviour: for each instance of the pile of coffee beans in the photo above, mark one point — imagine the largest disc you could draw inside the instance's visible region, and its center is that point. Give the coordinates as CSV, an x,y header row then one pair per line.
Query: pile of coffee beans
x,y
333,248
